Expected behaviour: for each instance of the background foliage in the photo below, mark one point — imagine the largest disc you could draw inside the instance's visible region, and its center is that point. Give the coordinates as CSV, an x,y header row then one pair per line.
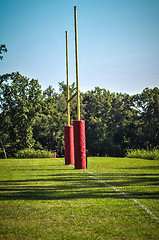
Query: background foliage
x,y
35,119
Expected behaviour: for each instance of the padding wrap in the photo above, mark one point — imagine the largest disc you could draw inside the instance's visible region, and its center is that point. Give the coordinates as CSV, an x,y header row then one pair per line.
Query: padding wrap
x,y
69,145
79,144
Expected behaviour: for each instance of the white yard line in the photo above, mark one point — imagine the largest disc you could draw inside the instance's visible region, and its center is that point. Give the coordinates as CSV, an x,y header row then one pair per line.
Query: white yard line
x,y
125,195
61,160
94,176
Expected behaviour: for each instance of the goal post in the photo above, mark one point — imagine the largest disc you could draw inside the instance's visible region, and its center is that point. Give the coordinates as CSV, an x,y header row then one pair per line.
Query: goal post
x,y
75,140
78,125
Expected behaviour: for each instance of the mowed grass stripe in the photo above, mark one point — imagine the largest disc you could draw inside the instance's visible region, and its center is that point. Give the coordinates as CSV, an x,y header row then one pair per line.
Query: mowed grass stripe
x,y
125,195
44,199
95,177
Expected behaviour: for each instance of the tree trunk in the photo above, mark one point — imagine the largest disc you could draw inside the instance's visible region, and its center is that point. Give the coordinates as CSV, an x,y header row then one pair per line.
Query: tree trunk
x,y
3,148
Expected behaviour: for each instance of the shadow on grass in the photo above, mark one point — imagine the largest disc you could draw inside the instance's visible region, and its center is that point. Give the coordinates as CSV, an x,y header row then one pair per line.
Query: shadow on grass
x,y
77,186
124,179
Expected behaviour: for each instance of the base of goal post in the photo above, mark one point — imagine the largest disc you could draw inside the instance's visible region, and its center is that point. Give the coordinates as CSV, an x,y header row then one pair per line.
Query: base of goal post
x,y
79,144
69,145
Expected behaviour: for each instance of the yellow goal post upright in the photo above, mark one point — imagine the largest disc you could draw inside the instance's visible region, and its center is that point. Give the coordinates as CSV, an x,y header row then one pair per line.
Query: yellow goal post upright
x,y
67,77
68,130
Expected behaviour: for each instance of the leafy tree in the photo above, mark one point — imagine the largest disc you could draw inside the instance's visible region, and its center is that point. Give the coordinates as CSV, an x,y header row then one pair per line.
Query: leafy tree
x,y
147,106
49,124
121,124
31,118
2,49
111,123
20,101
97,105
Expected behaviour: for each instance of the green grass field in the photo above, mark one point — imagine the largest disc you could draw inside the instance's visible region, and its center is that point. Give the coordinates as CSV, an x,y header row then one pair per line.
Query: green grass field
x,y
44,199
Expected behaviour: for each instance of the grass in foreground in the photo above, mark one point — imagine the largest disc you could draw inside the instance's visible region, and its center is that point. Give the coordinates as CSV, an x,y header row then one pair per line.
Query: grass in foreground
x,y
44,199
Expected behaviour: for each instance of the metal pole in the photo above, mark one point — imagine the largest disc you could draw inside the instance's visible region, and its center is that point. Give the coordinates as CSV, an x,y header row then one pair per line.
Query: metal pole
x,y
67,75
76,51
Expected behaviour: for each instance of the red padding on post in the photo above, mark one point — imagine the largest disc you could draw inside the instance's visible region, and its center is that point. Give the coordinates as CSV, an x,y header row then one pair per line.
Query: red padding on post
x,y
79,144
69,145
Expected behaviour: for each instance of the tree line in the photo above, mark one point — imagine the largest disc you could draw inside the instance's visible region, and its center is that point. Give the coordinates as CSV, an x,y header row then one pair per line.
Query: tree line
x,y
115,122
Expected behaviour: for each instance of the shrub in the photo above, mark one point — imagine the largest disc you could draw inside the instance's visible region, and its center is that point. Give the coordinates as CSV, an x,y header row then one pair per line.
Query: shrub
x,y
32,153
146,154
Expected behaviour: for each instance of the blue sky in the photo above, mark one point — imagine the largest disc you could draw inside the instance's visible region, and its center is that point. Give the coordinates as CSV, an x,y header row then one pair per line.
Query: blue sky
x,y
118,42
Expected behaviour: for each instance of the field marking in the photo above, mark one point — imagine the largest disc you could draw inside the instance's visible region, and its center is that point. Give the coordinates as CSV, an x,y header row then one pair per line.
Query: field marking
x,y
94,176
125,195
61,160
